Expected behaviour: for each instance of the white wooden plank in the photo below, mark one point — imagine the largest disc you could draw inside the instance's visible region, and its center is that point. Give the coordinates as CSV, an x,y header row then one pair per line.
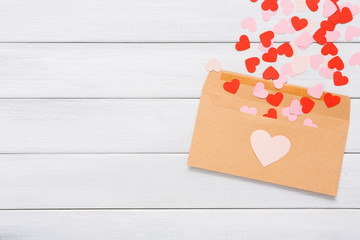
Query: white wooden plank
x,y
135,70
181,224
109,125
142,20
150,181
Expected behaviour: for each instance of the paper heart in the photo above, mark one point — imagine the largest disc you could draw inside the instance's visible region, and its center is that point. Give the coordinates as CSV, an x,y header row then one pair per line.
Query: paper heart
x,y
286,113
319,36
332,36
316,60
213,65
304,40
308,122
326,72
269,5
339,79
316,92
279,83
355,9
351,32
335,18
288,6
329,48
300,5
282,27
260,91
249,23
307,104
266,38
345,15
264,49
295,107
298,23
313,5
299,64
271,113
249,110
251,64
270,73
331,100
269,149
285,49
275,99
243,43
327,25
337,63
355,59
270,56
232,86
329,8
310,26
266,15
287,70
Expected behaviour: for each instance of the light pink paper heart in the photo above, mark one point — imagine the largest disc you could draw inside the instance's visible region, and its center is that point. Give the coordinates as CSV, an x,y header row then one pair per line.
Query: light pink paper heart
x,y
355,9
326,72
316,60
249,23
304,40
266,15
288,6
287,70
299,64
249,110
260,91
329,8
282,27
310,25
309,122
286,113
332,36
317,91
279,83
291,27
213,65
351,32
294,47
300,5
269,149
295,107
355,59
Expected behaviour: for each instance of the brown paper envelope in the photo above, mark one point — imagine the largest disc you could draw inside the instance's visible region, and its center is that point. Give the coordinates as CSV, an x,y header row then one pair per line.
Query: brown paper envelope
x,y
221,139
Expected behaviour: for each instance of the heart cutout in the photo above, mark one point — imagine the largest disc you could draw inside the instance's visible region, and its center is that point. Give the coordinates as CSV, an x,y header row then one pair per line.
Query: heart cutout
x,y
271,113
307,104
260,91
298,23
313,5
270,56
213,65
316,92
275,99
339,79
232,86
270,73
331,100
249,23
266,38
285,49
329,48
249,110
337,63
243,43
251,64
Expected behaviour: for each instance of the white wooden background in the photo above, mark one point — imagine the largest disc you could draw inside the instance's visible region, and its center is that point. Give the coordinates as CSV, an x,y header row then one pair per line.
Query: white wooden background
x,y
98,100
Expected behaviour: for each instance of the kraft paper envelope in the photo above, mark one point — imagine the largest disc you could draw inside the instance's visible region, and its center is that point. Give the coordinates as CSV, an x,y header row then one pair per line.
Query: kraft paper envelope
x,y
221,140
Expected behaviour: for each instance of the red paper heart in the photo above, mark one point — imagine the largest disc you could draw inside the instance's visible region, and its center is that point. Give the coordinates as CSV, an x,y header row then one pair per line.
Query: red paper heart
x,y
243,43
331,100
345,15
270,73
275,99
270,5
319,36
339,79
286,49
307,104
270,56
337,63
266,38
271,113
329,48
251,64
313,5
232,86
327,25
253,0
298,23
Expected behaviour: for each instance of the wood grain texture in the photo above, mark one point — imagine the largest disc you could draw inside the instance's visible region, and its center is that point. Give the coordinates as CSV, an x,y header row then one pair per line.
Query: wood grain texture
x,y
136,70
110,126
181,224
136,21
33,181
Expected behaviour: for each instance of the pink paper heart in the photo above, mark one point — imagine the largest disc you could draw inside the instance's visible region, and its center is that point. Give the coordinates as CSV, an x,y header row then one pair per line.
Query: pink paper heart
x,y
295,107
304,40
355,9
266,15
286,113
287,70
260,91
291,27
279,83
355,59
213,65
269,149
249,110
299,64
329,8
332,36
309,122
288,6
310,25
316,92
282,27
300,5
316,60
249,23
326,72
351,32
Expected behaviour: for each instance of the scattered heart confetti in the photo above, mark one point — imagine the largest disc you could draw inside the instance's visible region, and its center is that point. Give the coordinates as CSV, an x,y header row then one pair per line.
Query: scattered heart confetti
x,y
279,83
331,100
266,38
251,64
316,92
355,59
270,73
332,36
249,23
298,23
270,56
286,113
313,5
266,15
310,26
287,70
300,5
269,149
339,79
307,104
299,64
337,63
355,9
213,65
295,107
319,36
329,8
249,110
288,7
304,40
345,15
316,60
271,113
351,32
275,99
270,5
282,27
308,122
260,91
232,86
285,49
243,43
326,72
329,48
